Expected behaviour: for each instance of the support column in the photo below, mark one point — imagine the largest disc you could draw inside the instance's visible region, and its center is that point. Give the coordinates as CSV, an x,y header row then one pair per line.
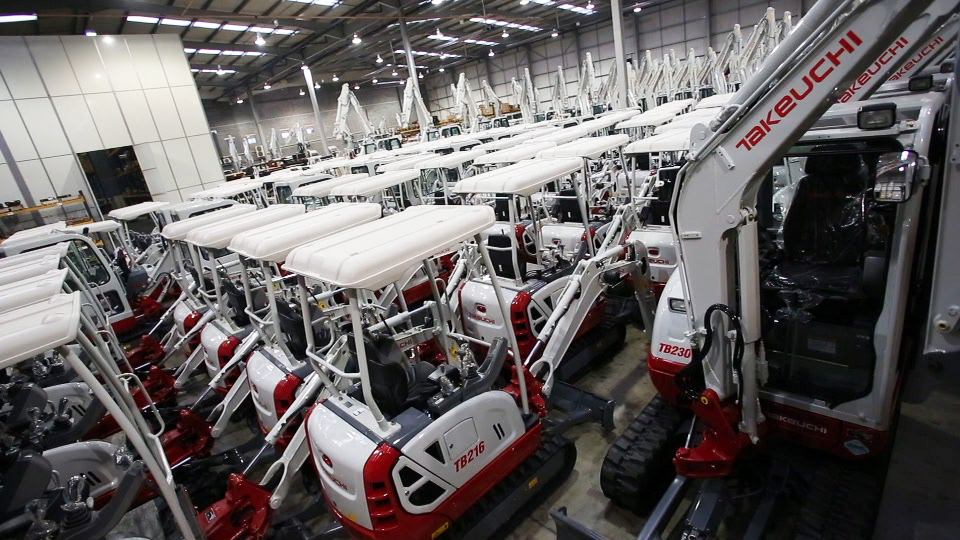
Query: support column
x,y
709,24
308,77
17,174
636,37
256,117
408,51
616,11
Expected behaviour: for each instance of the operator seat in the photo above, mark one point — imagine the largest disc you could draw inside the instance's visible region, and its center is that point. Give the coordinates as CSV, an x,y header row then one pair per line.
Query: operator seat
x,y
291,325
501,206
824,233
237,300
502,255
568,207
395,383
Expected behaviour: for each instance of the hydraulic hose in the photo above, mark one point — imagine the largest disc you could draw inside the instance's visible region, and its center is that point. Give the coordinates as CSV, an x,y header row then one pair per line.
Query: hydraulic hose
x,y
690,380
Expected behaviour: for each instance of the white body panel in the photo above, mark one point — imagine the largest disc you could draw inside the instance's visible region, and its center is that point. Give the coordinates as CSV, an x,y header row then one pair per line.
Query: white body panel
x,y
482,317
219,234
348,451
85,458
568,235
668,339
486,322
263,376
180,313
661,239
211,337
470,437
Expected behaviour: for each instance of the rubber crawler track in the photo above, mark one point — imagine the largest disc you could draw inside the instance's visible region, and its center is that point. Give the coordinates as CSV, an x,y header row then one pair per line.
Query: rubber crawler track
x,y
551,445
640,459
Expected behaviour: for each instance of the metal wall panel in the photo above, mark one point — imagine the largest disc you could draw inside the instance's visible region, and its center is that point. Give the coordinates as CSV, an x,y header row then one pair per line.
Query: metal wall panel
x,y
15,132
181,162
136,112
8,186
155,167
109,120
207,161
85,59
174,62
55,69
191,111
122,71
36,177
65,174
44,126
18,69
164,112
78,123
148,66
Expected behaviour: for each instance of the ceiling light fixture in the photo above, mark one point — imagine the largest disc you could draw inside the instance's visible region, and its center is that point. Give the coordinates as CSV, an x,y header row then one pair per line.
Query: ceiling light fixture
x,y
374,81
496,22
141,19
91,33
419,75
356,39
17,18
555,34
590,6
266,86
441,70
316,86
219,70
335,78
356,86
260,40
505,34
303,92
394,73
636,9
379,59
436,2
490,53
239,101
524,2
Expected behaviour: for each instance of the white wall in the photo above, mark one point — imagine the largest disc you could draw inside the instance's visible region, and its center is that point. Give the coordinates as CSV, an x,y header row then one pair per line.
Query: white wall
x,y
678,25
60,95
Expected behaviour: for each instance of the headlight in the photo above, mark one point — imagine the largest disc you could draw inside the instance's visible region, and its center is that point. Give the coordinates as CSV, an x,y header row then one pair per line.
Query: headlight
x,y
678,305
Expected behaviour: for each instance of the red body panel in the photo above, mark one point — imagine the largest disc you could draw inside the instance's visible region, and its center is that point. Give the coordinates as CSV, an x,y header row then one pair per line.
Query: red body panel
x,y
391,522
124,326
844,439
191,438
243,513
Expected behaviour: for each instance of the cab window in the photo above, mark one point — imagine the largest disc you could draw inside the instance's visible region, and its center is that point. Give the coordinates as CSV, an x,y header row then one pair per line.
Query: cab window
x,y
825,242
84,258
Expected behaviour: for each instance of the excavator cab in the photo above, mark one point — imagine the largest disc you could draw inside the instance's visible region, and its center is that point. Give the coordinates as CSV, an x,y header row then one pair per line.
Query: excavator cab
x,y
825,249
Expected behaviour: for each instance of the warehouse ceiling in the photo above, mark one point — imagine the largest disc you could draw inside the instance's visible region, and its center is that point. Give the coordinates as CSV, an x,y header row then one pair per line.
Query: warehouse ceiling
x,y
235,46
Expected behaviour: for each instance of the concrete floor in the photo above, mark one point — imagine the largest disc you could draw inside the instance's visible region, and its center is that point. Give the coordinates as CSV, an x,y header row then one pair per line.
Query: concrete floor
x,y
920,501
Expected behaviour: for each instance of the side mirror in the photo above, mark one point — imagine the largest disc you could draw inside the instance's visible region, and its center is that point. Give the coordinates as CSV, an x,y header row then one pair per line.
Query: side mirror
x,y
895,176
